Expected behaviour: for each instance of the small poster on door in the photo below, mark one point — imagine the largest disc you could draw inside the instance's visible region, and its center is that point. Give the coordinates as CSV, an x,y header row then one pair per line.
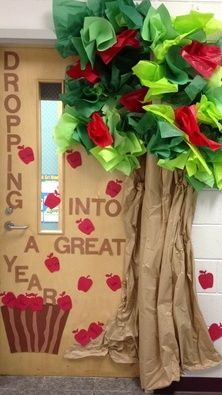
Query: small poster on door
x,y
49,185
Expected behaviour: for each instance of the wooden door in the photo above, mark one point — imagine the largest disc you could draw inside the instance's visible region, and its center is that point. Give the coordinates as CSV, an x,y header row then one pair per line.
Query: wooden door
x,y
49,240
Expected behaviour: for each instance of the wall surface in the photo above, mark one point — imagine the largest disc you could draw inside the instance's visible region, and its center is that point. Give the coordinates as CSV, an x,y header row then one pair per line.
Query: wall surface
x,y
26,20
22,20
30,22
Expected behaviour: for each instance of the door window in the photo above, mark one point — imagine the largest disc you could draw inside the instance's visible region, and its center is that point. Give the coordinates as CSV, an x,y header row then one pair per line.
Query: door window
x,y
51,162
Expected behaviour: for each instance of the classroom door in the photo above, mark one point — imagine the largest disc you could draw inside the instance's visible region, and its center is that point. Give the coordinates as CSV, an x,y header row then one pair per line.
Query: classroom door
x,y
62,232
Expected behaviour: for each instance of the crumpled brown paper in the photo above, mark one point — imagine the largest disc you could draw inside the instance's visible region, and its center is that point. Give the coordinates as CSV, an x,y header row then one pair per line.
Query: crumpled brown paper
x,y
158,296
172,332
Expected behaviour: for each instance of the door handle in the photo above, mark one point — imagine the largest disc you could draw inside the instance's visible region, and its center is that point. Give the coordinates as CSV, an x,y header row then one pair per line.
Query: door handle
x,y
9,225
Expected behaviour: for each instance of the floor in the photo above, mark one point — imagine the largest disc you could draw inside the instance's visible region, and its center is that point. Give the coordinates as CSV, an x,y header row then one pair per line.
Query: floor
x,y
22,385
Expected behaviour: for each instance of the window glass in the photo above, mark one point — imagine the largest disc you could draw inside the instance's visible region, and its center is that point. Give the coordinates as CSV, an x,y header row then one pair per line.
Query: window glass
x,y
50,177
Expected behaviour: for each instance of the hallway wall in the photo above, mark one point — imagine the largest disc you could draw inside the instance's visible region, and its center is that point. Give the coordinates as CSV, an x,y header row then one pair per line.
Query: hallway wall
x,y
30,22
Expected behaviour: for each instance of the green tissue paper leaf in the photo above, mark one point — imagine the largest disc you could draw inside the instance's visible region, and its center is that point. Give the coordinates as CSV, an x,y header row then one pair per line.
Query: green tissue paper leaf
x,y
157,26
84,137
133,18
215,158
97,34
151,75
216,80
215,95
114,15
99,30
68,17
195,87
64,131
168,130
122,157
80,50
196,184
177,163
191,22
176,67
144,7
162,111
208,113
161,49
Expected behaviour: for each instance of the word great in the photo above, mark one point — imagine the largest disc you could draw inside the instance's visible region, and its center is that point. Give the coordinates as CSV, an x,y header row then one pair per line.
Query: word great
x,y
88,246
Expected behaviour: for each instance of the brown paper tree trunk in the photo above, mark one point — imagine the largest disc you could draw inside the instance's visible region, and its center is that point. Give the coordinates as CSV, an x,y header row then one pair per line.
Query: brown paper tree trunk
x,y
158,321
173,336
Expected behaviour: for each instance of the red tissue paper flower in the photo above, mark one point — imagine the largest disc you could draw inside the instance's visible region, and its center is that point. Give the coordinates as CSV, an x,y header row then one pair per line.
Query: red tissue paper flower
x,y
98,131
90,74
125,38
203,58
186,120
132,100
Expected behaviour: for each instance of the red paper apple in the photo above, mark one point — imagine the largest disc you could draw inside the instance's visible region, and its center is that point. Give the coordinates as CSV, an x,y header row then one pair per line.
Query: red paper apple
x,y
22,302
74,158
215,331
81,336
84,283
113,187
52,200
206,280
52,263
9,299
64,302
85,226
35,302
25,154
113,281
95,329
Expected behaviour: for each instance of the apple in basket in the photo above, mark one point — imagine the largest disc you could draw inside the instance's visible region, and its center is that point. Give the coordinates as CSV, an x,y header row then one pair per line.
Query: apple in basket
x,y
22,302
8,299
35,302
64,301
